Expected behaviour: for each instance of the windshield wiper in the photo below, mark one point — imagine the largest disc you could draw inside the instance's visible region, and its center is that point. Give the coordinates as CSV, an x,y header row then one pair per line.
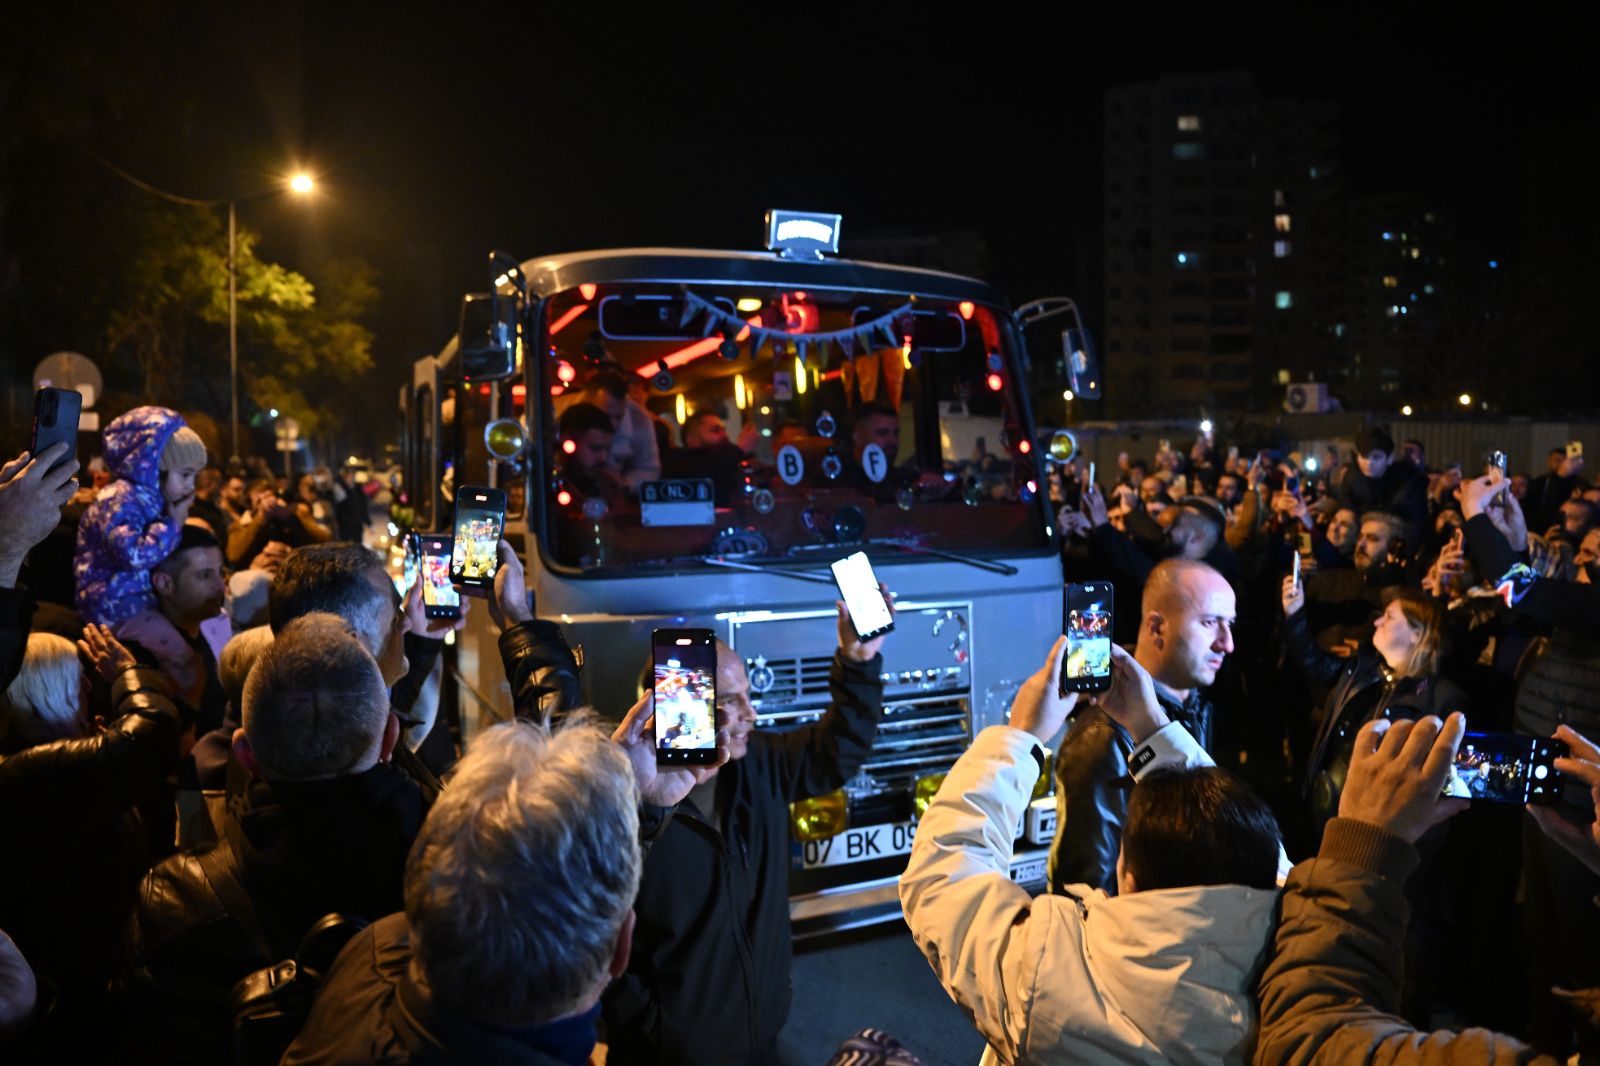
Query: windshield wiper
x,y
1005,569
797,575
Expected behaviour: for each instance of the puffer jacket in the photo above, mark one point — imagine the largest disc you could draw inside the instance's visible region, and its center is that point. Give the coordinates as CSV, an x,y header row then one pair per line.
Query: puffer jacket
x,y
126,531
1164,976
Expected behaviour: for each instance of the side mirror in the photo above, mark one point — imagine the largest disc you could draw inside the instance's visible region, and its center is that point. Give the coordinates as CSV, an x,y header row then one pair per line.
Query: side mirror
x,y
487,337
1063,446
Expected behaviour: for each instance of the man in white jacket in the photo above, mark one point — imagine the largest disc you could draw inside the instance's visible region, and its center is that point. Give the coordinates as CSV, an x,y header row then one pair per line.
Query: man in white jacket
x,y
1162,972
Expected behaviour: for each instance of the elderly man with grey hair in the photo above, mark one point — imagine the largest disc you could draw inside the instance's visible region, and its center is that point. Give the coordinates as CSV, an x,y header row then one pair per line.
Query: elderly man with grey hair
x,y
323,826
519,907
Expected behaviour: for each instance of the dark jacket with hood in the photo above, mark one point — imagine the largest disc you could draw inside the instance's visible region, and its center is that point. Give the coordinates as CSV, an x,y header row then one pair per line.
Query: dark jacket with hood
x,y
1093,784
709,980
127,530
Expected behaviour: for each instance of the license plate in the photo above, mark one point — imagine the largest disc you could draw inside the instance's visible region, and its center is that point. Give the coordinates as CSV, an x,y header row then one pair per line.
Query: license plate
x,y
860,844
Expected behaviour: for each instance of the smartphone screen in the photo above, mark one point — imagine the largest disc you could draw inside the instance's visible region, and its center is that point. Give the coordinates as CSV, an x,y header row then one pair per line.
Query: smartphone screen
x,y
1496,465
440,598
685,663
1086,667
858,587
1574,449
1507,768
56,413
480,518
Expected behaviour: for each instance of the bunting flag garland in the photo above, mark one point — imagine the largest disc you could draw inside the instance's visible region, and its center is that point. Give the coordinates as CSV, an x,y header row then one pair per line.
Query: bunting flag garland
x,y
885,331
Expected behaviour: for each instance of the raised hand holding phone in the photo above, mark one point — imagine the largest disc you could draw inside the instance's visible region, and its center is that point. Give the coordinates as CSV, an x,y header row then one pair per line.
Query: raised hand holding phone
x,y
687,721
661,786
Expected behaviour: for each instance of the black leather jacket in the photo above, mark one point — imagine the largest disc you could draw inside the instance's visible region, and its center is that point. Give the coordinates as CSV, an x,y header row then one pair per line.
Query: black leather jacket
x,y
541,669
1361,690
73,846
1092,787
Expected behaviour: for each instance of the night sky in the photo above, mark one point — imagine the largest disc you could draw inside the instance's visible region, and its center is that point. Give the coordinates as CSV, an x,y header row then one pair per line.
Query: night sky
x,y
436,138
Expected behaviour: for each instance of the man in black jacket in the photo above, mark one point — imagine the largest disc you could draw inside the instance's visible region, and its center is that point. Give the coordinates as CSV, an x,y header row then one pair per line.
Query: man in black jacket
x,y
323,827
1376,481
709,979
1185,632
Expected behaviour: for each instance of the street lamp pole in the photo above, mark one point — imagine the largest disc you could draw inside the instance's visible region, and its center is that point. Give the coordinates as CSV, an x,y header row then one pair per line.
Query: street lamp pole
x,y
233,336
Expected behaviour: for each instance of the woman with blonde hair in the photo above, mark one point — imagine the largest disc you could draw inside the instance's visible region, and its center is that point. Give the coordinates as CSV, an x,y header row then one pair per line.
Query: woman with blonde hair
x,y
1395,676
45,701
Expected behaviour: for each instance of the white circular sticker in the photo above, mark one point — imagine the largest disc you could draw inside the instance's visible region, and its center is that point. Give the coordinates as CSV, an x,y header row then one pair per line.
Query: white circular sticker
x,y
874,462
791,467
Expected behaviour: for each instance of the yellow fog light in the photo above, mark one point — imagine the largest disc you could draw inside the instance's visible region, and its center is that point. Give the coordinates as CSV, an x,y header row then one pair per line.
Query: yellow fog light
x,y
819,817
1063,446
926,787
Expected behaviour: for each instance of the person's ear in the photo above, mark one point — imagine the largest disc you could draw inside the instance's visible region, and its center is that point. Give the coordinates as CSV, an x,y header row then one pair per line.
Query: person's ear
x,y
161,581
1156,626
1126,886
245,753
391,737
620,953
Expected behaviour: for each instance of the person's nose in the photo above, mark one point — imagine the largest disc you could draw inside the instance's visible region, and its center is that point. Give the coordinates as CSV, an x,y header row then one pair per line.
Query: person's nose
x,y
1224,642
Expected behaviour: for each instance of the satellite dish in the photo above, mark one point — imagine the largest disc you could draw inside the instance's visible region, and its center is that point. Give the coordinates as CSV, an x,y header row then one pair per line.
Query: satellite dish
x,y
70,370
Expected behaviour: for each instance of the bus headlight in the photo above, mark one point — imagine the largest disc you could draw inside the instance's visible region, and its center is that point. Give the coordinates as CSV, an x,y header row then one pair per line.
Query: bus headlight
x,y
505,440
923,795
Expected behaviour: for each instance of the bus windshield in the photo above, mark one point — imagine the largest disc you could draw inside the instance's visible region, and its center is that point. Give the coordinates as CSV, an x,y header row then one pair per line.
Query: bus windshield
x,y
708,420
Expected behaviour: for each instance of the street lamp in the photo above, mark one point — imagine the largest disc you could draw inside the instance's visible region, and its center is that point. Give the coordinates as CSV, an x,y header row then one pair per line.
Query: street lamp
x,y
1465,399
301,184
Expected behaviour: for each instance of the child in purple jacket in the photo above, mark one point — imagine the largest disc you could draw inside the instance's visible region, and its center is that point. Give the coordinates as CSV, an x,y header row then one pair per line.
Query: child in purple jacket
x,y
135,521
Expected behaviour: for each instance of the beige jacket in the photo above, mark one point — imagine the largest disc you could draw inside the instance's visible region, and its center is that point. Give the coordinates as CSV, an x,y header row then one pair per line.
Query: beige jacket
x,y
1152,977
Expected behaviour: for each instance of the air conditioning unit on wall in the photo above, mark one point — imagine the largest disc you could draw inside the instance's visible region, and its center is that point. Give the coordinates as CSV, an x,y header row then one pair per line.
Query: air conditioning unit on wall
x,y
1306,397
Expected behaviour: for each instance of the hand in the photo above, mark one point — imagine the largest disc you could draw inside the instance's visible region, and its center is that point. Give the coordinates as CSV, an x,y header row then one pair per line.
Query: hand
x,y
1506,514
1450,565
1073,523
180,509
106,655
1397,772
1584,766
31,498
1477,492
659,786
748,436
1292,596
271,558
509,606
417,619
1256,474
850,646
1131,701
1039,708
1094,506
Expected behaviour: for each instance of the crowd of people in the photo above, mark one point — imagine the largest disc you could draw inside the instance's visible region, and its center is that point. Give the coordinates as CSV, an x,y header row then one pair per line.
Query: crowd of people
x,y
238,832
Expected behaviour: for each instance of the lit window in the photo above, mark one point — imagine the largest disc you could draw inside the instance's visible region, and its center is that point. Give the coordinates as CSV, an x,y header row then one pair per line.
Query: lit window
x,y
1187,260
1315,173
1285,300
1283,377
1427,290
1428,217
1280,223
1390,281
1338,329
1494,264
1277,197
1188,150
1189,123
1280,249
1394,309
1388,236
1416,253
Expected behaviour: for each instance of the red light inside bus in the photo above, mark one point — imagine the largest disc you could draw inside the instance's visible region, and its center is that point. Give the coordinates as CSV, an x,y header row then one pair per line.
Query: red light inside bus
x,y
565,373
564,498
966,307
995,382
1025,446
569,445
587,290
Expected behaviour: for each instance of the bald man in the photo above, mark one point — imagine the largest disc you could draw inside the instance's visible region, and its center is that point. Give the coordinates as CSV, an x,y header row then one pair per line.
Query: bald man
x,y
708,981
1185,631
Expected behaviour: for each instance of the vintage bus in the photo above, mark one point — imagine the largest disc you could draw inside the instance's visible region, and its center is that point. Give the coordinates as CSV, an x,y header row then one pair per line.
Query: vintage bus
x,y
870,408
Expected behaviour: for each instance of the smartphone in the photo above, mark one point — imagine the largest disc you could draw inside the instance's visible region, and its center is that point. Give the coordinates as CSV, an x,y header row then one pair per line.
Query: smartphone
x,y
55,419
1296,569
1507,768
1091,473
858,587
685,666
1086,667
1574,449
1496,466
440,599
480,518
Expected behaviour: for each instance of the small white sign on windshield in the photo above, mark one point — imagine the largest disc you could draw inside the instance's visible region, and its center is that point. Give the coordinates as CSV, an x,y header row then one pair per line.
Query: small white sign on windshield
x,y
791,465
677,502
874,462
